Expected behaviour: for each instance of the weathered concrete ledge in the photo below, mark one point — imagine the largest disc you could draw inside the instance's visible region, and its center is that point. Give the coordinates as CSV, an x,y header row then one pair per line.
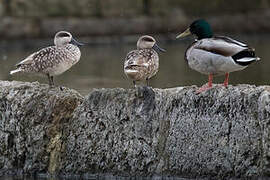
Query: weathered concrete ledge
x,y
175,132
96,28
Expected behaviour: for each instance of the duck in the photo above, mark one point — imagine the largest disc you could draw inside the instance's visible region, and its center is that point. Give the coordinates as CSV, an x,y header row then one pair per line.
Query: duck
x,y
52,60
215,55
143,63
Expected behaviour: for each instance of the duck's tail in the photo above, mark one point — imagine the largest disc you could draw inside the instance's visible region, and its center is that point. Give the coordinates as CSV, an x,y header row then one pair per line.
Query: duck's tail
x,y
245,57
15,71
248,59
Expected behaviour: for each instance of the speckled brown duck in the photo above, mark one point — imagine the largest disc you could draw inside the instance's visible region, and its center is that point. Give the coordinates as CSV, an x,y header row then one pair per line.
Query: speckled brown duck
x,y
143,63
53,60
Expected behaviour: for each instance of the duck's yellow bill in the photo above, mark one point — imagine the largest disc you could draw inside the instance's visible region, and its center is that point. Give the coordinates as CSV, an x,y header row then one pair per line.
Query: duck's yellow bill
x,y
185,33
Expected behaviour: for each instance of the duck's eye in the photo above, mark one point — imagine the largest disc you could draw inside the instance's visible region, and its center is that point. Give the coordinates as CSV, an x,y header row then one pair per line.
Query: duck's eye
x,y
63,35
148,39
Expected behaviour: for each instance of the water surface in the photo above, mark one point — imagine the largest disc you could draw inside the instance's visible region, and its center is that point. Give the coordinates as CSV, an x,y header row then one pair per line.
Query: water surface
x,y
102,65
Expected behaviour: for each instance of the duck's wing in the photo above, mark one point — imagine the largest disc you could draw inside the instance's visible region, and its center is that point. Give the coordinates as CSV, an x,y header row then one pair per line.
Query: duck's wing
x,y
241,53
230,40
41,56
221,45
27,60
138,58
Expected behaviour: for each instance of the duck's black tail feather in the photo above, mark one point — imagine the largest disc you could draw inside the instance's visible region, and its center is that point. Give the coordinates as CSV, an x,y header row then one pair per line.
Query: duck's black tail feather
x,y
245,57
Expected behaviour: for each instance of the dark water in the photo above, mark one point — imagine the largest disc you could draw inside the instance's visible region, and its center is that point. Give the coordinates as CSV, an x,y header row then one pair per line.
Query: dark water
x,y
102,66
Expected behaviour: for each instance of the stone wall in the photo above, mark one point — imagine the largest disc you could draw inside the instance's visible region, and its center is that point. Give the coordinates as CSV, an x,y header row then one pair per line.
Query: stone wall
x,y
168,132
43,18
129,8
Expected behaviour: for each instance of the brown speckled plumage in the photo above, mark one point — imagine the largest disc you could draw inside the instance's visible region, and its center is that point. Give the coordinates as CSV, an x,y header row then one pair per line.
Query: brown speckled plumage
x,y
48,60
53,60
143,63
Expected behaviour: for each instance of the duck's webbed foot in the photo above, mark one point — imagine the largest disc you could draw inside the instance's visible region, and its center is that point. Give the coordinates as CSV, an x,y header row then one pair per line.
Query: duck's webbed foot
x,y
206,86
203,88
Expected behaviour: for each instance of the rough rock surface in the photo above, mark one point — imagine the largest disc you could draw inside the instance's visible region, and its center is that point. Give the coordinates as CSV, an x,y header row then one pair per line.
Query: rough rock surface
x,y
32,121
175,132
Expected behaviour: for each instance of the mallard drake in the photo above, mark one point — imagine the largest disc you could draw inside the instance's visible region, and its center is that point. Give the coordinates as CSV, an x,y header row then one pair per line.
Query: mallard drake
x,y
215,55
52,60
142,64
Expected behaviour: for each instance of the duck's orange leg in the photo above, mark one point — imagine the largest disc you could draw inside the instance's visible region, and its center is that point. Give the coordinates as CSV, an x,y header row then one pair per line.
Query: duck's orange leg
x,y
210,80
226,81
206,87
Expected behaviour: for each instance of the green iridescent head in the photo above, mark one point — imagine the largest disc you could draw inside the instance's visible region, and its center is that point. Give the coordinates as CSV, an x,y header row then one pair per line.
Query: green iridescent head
x,y
200,28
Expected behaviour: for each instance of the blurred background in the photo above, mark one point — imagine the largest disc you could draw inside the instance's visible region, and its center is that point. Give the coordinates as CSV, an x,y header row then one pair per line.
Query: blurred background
x,y
112,28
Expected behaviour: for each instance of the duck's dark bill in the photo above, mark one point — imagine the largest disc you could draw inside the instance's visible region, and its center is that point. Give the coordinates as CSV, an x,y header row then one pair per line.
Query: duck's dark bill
x,y
73,41
157,48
